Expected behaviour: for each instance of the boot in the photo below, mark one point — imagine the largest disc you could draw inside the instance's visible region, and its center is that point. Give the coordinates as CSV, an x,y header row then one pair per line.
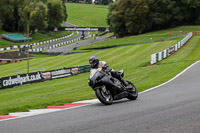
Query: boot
x,y
127,86
115,74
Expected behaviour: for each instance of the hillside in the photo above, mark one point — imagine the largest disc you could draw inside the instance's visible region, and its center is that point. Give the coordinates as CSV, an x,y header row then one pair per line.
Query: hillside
x,y
87,15
135,60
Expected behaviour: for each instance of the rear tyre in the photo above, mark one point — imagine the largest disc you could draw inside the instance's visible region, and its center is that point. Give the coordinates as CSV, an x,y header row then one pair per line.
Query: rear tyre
x,y
104,96
132,93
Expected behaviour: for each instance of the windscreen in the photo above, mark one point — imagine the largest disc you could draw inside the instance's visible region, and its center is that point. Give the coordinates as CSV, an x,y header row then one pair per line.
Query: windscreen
x,y
94,71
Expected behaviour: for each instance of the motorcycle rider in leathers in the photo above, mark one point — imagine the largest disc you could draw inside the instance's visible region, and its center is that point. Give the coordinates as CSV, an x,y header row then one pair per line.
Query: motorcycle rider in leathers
x,y
103,66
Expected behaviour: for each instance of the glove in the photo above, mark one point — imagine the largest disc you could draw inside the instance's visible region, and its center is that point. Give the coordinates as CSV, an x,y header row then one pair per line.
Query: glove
x,y
107,68
116,74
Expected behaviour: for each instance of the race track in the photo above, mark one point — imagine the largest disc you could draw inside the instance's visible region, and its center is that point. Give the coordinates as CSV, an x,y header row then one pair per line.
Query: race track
x,y
171,108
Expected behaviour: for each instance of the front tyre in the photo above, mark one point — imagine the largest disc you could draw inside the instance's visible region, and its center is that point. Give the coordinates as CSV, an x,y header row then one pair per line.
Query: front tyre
x,y
132,93
104,96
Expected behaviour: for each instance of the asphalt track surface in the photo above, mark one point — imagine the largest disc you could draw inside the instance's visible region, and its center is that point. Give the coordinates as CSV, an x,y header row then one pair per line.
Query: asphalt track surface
x,y
78,44
74,45
171,108
68,39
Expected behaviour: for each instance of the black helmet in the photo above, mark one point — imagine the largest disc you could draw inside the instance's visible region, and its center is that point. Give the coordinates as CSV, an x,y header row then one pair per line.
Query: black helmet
x,y
94,61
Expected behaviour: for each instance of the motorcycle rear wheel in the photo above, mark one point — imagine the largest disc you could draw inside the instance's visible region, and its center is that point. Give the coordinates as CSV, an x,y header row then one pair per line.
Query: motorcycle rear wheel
x,y
104,96
133,93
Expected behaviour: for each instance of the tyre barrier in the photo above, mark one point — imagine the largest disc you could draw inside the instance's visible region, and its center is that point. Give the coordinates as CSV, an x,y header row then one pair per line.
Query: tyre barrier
x,y
156,57
58,44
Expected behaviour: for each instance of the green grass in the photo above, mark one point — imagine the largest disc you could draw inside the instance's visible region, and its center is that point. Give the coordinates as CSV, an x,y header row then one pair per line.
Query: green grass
x,y
40,95
179,30
87,15
55,62
125,41
41,55
135,60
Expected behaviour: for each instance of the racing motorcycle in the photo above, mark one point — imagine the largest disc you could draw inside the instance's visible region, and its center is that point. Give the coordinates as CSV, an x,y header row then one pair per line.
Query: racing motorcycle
x,y
107,88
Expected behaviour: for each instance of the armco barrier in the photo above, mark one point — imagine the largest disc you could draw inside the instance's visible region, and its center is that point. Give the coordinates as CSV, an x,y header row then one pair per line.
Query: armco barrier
x,y
156,57
40,76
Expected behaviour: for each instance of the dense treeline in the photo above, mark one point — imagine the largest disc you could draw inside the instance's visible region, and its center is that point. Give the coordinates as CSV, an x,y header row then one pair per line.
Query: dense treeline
x,y
16,15
129,17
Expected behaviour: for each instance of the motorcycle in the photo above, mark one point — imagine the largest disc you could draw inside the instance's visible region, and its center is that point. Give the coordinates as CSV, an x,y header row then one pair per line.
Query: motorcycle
x,y
107,88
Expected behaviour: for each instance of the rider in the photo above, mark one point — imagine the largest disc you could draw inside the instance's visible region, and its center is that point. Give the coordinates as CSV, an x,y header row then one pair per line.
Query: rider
x,y
103,66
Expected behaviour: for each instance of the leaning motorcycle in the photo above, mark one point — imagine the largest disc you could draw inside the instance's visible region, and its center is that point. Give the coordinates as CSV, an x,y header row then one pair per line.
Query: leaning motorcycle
x,y
107,88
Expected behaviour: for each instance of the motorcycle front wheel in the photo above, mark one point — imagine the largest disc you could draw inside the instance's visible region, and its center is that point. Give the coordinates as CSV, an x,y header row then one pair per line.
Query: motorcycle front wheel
x,y
132,93
104,96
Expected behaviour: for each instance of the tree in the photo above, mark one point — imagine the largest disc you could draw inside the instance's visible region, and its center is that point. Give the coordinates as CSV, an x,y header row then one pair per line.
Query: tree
x,y
38,17
6,14
194,11
64,11
56,13
0,25
159,14
89,1
16,15
128,17
137,16
115,19
26,8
